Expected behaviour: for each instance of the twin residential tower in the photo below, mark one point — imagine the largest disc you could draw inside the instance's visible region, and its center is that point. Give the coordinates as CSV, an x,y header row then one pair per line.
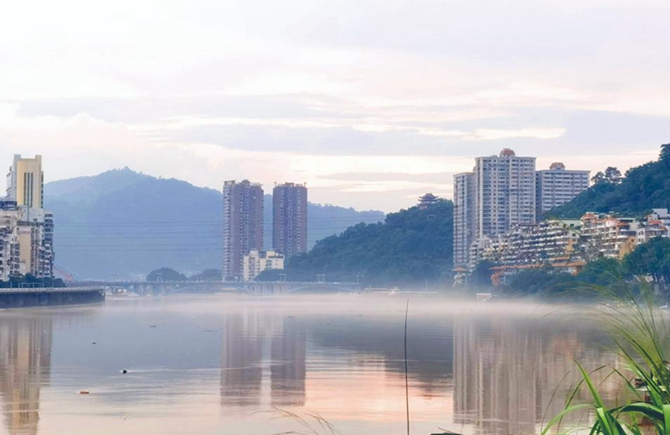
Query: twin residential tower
x,y
243,224
504,191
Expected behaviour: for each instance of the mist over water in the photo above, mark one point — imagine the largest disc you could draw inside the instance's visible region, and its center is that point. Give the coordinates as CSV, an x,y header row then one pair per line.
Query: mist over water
x,y
223,364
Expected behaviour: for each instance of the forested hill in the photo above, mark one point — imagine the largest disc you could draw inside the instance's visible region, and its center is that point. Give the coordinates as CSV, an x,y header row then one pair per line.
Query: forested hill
x,y
123,224
412,247
643,188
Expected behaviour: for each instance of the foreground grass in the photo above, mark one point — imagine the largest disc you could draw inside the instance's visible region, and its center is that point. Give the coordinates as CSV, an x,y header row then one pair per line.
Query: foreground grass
x,y
639,329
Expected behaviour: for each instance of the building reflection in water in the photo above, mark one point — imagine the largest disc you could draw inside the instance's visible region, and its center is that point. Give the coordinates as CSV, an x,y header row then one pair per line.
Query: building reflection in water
x,y
506,372
289,352
25,366
249,341
241,370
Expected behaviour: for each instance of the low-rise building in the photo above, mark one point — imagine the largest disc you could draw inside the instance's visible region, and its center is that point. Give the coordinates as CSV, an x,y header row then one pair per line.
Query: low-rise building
x,y
257,261
532,244
654,225
606,235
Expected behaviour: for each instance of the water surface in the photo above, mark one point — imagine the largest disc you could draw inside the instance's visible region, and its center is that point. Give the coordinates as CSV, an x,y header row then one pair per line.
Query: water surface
x,y
221,364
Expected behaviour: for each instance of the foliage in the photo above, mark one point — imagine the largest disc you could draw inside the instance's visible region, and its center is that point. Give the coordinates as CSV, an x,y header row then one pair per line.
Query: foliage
x,y
542,282
165,274
29,280
641,336
546,282
208,275
481,274
651,258
412,246
611,175
643,188
270,275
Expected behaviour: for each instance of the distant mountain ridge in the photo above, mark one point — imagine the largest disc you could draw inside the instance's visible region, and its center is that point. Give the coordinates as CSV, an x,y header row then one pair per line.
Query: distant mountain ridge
x,y
643,188
122,224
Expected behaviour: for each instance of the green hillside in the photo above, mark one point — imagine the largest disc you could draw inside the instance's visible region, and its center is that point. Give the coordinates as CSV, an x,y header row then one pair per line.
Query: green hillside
x,y
643,188
410,247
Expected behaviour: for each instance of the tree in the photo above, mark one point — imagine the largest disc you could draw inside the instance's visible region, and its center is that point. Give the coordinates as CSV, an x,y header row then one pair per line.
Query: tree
x,y
613,175
165,274
604,273
208,275
482,273
598,178
651,258
665,154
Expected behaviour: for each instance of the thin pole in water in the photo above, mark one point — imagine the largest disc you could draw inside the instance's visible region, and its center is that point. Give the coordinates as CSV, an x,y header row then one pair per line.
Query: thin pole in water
x,y
406,376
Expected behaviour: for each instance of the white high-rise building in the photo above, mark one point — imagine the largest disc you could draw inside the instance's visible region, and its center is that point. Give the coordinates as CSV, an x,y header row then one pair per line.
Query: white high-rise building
x,y
504,194
463,216
557,185
497,194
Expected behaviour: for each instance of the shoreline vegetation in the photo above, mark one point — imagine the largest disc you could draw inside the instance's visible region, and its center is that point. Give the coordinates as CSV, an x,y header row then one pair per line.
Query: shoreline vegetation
x,y
638,326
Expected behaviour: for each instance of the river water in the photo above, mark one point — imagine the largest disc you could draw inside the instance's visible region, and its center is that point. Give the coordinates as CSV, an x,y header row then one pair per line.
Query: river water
x,y
220,364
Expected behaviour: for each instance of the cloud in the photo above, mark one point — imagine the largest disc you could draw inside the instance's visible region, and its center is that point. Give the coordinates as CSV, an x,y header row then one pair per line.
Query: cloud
x,y
366,101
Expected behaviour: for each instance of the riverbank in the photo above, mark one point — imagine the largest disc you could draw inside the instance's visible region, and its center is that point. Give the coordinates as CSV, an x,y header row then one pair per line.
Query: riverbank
x,y
39,297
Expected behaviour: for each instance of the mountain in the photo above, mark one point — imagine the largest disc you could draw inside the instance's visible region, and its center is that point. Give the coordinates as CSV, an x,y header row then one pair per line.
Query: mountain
x,y
643,188
122,224
411,248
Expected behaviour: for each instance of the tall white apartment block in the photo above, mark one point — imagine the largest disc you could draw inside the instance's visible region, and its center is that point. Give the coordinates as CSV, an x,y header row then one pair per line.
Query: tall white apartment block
x,y
463,216
504,192
557,185
497,194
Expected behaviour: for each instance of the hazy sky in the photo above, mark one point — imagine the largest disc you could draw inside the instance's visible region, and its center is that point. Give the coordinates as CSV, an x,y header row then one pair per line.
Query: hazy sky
x,y
369,102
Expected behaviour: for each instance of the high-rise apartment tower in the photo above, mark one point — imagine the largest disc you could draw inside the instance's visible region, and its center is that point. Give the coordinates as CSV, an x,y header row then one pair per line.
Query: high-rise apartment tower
x,y
289,219
499,193
463,216
242,225
25,182
557,185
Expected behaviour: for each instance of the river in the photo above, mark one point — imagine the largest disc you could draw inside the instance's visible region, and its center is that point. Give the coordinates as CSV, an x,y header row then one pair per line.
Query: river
x,y
221,364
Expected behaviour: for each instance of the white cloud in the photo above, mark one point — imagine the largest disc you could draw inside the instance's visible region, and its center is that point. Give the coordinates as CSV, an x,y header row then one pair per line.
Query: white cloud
x,y
368,87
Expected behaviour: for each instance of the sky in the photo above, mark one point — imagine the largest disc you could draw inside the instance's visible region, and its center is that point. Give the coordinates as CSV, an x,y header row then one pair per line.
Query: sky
x,y
369,102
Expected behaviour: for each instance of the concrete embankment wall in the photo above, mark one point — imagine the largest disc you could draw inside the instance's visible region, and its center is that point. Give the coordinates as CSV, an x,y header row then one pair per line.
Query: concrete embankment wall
x,y
40,297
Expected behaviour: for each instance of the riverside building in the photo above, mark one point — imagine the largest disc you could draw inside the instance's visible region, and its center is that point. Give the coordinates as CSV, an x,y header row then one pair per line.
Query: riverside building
x,y
289,219
26,228
242,225
504,192
498,194
557,185
256,262
25,182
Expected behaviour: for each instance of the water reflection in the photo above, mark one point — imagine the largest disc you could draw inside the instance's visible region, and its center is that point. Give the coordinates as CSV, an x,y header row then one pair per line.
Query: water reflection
x,y
25,366
288,371
241,370
472,370
249,339
511,374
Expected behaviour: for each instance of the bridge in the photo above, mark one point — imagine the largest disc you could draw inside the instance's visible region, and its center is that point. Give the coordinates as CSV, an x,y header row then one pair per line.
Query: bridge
x,y
249,287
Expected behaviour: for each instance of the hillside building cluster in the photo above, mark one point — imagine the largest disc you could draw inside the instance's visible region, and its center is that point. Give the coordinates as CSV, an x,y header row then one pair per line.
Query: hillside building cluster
x,y
244,256
504,192
567,245
26,228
